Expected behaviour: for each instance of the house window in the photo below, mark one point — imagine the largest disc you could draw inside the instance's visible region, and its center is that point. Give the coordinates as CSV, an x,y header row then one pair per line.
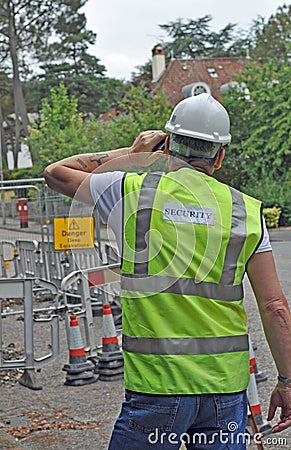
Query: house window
x,y
195,89
212,72
199,89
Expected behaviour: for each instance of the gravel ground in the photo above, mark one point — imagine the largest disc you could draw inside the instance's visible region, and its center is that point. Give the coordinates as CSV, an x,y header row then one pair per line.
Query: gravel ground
x,y
61,417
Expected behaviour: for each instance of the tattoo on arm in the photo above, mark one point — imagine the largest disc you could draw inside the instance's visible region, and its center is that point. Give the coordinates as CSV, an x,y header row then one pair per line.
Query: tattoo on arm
x,y
82,163
98,158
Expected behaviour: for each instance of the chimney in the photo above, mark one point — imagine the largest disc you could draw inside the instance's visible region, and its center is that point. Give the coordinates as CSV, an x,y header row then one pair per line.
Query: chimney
x,y
158,62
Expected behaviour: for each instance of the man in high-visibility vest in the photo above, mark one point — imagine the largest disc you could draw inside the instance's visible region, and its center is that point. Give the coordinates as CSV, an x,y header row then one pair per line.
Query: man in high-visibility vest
x,y
186,241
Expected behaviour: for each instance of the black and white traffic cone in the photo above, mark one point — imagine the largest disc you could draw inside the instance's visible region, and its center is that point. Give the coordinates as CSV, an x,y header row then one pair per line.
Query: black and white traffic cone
x,y
110,360
253,429
80,371
254,403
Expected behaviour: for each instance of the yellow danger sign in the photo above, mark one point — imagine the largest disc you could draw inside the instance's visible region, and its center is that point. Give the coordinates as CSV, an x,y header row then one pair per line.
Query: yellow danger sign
x,y
73,232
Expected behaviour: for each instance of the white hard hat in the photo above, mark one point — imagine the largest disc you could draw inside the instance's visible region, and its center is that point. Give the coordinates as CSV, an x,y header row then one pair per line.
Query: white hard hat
x,y
201,117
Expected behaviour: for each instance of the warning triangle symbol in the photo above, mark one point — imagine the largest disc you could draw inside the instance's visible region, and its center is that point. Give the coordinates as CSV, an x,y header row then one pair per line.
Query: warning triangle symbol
x,y
73,225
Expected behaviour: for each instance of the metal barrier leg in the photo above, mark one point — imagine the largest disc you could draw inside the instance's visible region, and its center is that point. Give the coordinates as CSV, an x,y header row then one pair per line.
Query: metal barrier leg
x,y
28,379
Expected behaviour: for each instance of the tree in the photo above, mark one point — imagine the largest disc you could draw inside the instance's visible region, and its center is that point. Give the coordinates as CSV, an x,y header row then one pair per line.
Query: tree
x,y
70,63
194,39
6,108
261,148
51,32
9,45
25,29
96,94
62,131
141,109
272,39
59,133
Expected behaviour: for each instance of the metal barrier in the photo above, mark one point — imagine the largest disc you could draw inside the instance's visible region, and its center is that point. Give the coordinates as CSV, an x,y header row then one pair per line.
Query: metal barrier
x,y
41,260
30,268
77,293
112,256
29,259
19,288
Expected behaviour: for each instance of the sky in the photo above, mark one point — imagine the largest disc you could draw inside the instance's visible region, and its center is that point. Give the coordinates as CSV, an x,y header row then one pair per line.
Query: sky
x,y
127,30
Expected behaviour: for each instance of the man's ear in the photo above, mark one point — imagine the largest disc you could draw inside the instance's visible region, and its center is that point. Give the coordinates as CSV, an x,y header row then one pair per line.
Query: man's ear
x,y
219,159
166,149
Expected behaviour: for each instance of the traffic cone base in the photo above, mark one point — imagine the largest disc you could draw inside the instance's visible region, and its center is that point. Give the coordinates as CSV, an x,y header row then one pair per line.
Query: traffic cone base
x,y
78,376
109,356
81,382
111,377
79,367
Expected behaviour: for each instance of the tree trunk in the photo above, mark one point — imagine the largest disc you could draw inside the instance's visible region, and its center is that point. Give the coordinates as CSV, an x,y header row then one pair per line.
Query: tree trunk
x,y
19,104
2,198
3,149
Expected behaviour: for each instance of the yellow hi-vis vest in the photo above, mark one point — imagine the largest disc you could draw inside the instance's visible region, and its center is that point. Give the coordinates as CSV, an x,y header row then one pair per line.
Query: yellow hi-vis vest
x,y
187,240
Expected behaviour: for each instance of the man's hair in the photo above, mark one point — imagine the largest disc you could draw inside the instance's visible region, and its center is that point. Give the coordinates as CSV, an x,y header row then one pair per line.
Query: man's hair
x,y
198,145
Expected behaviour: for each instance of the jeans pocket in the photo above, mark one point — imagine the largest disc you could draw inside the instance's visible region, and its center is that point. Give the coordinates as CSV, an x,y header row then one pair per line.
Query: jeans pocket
x,y
231,411
150,413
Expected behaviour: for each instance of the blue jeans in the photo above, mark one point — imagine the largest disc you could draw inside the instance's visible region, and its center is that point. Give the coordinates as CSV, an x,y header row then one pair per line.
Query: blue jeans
x,y
160,422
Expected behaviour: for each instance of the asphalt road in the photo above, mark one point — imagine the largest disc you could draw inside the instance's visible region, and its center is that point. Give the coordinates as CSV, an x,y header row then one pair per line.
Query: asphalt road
x,y
60,417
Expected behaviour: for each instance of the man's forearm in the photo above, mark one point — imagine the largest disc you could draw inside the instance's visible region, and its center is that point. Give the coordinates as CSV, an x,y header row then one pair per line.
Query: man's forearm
x,y
89,162
70,175
122,157
273,307
276,319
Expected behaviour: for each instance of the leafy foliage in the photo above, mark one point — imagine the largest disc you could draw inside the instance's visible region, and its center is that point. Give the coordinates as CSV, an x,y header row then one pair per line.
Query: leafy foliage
x,y
193,38
66,59
41,44
272,216
62,131
260,154
272,39
96,95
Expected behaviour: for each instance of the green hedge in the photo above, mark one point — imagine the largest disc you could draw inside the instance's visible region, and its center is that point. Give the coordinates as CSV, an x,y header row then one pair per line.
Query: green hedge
x,y
272,216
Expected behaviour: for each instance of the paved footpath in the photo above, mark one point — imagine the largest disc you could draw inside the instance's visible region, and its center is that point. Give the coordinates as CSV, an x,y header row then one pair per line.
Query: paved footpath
x,y
60,417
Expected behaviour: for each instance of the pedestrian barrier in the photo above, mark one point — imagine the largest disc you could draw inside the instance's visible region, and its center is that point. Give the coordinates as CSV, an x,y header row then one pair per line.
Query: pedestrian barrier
x,y
112,256
29,259
22,289
8,266
33,259
27,289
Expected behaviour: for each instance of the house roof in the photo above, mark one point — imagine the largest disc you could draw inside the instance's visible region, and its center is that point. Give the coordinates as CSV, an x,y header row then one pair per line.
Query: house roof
x,y
210,73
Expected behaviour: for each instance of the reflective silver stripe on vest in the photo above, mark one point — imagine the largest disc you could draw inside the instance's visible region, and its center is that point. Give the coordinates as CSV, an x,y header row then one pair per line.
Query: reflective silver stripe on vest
x,y
185,346
182,286
143,219
237,237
